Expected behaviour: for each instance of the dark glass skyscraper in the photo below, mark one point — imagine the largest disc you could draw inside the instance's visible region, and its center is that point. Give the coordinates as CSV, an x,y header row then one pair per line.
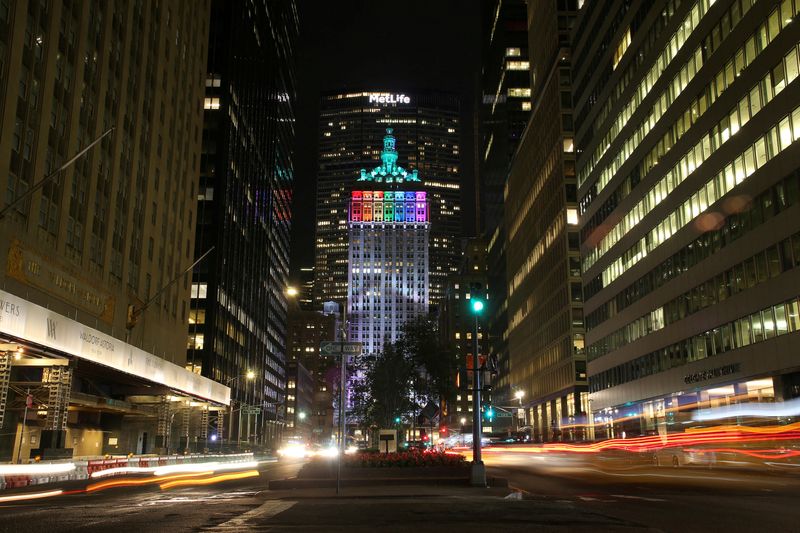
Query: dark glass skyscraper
x,y
505,108
352,127
505,100
237,323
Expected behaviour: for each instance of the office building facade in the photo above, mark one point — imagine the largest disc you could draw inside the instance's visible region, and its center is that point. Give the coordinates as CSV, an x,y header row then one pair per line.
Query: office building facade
x,y
688,186
545,311
237,326
457,329
352,127
92,258
306,331
505,109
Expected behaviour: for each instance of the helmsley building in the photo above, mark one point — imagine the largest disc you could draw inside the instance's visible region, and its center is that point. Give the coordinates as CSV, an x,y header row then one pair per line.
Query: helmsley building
x,y
389,227
83,327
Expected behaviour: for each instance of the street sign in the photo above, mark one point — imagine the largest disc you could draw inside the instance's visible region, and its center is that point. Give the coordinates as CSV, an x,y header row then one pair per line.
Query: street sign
x,y
430,410
337,349
251,410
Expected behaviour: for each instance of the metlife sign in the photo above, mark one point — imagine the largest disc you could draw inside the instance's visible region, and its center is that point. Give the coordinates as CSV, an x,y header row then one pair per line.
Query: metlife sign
x,y
387,98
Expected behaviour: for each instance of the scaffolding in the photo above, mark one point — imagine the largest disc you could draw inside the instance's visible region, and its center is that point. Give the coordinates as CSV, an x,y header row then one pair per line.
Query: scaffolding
x,y
58,382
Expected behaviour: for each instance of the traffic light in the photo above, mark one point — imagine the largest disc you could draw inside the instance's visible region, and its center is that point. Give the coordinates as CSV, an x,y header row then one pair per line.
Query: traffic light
x,y
488,413
397,420
477,306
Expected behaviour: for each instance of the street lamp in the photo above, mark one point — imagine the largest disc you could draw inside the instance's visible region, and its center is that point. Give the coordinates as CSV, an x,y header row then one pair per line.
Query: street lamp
x,y
301,415
519,394
291,291
249,376
478,470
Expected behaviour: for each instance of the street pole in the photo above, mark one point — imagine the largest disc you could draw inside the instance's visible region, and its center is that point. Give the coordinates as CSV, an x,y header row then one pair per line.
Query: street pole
x,y
343,377
478,470
38,185
22,431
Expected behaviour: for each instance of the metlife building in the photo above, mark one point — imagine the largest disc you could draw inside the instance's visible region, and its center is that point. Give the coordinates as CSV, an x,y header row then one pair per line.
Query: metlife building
x,y
352,127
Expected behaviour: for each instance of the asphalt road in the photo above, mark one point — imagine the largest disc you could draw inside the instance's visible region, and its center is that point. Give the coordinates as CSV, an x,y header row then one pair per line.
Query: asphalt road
x,y
145,509
554,493
681,499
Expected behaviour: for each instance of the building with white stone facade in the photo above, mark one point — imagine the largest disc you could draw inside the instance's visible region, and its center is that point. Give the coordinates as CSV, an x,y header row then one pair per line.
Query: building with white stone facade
x,y
387,254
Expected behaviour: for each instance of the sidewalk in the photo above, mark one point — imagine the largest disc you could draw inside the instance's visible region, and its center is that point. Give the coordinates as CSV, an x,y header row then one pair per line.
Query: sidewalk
x,y
418,508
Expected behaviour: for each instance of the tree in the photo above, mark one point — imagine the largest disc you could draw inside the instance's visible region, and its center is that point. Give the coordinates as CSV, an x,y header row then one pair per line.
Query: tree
x,y
413,370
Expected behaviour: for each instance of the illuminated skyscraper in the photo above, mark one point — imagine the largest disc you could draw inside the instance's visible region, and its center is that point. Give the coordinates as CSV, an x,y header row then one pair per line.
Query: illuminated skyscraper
x,y
352,126
387,253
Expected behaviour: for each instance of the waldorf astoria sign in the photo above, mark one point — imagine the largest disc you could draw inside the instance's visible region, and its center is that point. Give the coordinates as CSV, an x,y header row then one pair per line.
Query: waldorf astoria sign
x,y
46,274
33,323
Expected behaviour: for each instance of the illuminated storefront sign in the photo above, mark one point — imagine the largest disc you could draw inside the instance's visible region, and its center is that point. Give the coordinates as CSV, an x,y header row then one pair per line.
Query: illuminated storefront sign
x,y
386,98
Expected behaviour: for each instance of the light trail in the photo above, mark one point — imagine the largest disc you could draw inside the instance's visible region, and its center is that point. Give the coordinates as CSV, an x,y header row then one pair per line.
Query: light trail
x,y
210,480
103,485
758,454
695,437
775,409
30,496
40,469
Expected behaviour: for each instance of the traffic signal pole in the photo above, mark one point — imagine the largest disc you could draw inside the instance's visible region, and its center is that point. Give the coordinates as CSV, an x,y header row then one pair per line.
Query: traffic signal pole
x,y
478,470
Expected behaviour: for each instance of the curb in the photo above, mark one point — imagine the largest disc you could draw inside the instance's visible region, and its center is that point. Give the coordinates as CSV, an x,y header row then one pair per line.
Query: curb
x,y
295,483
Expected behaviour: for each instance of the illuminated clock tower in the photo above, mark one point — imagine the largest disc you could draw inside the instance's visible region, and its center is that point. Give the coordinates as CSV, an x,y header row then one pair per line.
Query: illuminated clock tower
x,y
388,226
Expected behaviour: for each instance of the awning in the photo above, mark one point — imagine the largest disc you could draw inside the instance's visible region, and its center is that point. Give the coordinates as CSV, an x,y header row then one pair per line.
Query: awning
x,y
34,323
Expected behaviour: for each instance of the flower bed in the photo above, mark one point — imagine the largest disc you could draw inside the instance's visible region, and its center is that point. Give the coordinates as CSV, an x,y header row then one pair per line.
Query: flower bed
x,y
403,459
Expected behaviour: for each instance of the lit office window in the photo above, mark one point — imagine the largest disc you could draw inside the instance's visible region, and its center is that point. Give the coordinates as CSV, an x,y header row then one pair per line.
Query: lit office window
x,y
199,290
518,65
519,92
572,216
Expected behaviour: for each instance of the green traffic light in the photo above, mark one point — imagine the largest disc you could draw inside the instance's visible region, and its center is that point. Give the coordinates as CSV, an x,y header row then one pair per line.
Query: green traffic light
x,y
477,305
397,420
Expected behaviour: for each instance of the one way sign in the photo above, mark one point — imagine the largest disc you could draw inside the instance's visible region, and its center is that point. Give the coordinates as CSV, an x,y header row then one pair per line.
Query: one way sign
x,y
337,349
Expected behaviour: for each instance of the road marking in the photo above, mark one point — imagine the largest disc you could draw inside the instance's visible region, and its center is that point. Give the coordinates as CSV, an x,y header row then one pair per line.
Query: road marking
x,y
514,496
265,512
638,498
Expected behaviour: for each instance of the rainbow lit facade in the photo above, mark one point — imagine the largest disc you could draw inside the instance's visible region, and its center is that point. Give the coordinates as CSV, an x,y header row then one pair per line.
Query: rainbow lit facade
x,y
389,206
388,264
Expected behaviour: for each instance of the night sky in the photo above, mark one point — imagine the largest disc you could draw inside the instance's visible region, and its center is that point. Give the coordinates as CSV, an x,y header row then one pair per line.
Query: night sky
x,y
393,45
